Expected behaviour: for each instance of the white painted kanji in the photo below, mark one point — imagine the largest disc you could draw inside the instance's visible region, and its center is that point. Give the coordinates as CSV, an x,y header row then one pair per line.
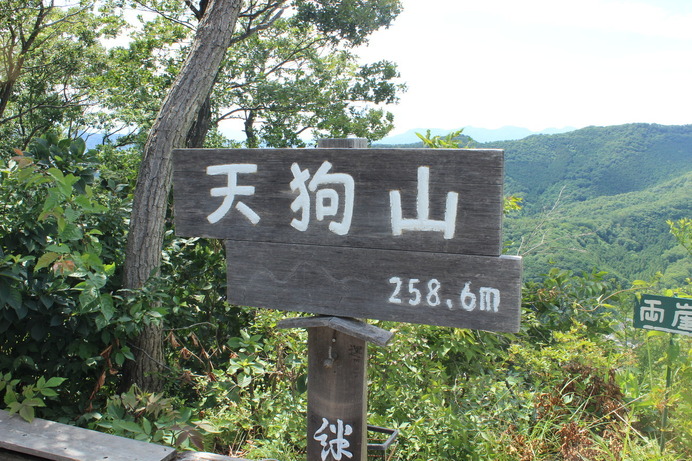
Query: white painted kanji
x,y
231,190
423,221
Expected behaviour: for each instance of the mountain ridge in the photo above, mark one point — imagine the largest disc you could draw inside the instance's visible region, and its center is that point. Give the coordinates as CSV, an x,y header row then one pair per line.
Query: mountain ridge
x,y
477,134
598,198
595,161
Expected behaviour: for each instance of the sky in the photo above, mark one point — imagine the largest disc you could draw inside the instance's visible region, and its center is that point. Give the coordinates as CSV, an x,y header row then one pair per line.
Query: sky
x,y
539,64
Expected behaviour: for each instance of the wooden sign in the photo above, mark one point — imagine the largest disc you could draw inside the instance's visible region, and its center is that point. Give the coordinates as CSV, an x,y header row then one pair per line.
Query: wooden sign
x,y
447,201
663,313
409,235
463,291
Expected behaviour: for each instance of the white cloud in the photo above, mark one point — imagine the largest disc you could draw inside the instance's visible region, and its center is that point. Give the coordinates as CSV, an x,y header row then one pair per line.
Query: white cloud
x,y
540,63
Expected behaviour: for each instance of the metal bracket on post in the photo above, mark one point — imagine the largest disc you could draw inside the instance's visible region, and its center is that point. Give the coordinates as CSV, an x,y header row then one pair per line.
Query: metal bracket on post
x,y
383,450
337,385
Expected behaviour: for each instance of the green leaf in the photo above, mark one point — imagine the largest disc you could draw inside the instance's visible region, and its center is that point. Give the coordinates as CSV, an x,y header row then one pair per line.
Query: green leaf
x,y
652,333
14,298
128,426
127,353
71,232
56,174
207,427
27,413
302,383
22,310
34,402
58,248
109,269
10,397
46,260
78,146
38,331
107,307
55,382
48,392
244,380
71,214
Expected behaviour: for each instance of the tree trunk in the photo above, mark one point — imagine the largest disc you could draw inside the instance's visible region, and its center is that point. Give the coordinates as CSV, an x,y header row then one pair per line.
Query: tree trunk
x,y
200,127
250,135
173,123
5,93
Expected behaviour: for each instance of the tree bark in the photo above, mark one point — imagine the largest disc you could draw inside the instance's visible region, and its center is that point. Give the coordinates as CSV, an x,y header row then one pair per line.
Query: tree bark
x,y
250,135
201,125
173,122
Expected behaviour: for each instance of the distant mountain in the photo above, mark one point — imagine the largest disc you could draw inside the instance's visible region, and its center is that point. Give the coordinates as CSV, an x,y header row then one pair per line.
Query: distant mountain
x,y
477,134
625,235
599,197
595,161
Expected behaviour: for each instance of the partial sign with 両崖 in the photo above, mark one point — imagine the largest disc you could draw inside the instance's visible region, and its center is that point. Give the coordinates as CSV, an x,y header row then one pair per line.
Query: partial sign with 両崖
x,y
664,313
408,235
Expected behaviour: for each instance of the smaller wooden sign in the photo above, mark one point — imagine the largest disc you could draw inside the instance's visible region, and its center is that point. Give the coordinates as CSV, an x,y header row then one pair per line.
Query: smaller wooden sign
x,y
663,313
463,291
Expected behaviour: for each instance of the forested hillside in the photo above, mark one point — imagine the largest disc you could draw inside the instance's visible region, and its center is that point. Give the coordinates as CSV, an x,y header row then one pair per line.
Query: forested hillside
x,y
594,162
599,198
624,234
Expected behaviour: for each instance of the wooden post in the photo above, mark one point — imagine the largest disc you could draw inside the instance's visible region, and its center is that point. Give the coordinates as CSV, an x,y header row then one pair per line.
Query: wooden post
x,y
337,385
337,382
337,395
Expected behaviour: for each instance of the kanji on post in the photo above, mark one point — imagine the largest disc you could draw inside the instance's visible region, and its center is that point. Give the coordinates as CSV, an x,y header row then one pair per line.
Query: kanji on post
x,y
332,438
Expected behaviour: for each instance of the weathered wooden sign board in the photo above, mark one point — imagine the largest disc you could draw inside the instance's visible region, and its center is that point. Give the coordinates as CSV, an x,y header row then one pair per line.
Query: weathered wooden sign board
x,y
663,313
342,197
411,235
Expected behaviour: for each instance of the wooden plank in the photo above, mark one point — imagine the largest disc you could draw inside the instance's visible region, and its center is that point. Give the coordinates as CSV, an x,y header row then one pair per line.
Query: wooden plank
x,y
337,396
472,177
463,291
349,326
60,442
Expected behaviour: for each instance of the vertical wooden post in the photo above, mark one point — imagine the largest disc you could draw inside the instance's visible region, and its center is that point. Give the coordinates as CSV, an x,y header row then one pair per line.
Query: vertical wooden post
x,y
337,386
337,396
